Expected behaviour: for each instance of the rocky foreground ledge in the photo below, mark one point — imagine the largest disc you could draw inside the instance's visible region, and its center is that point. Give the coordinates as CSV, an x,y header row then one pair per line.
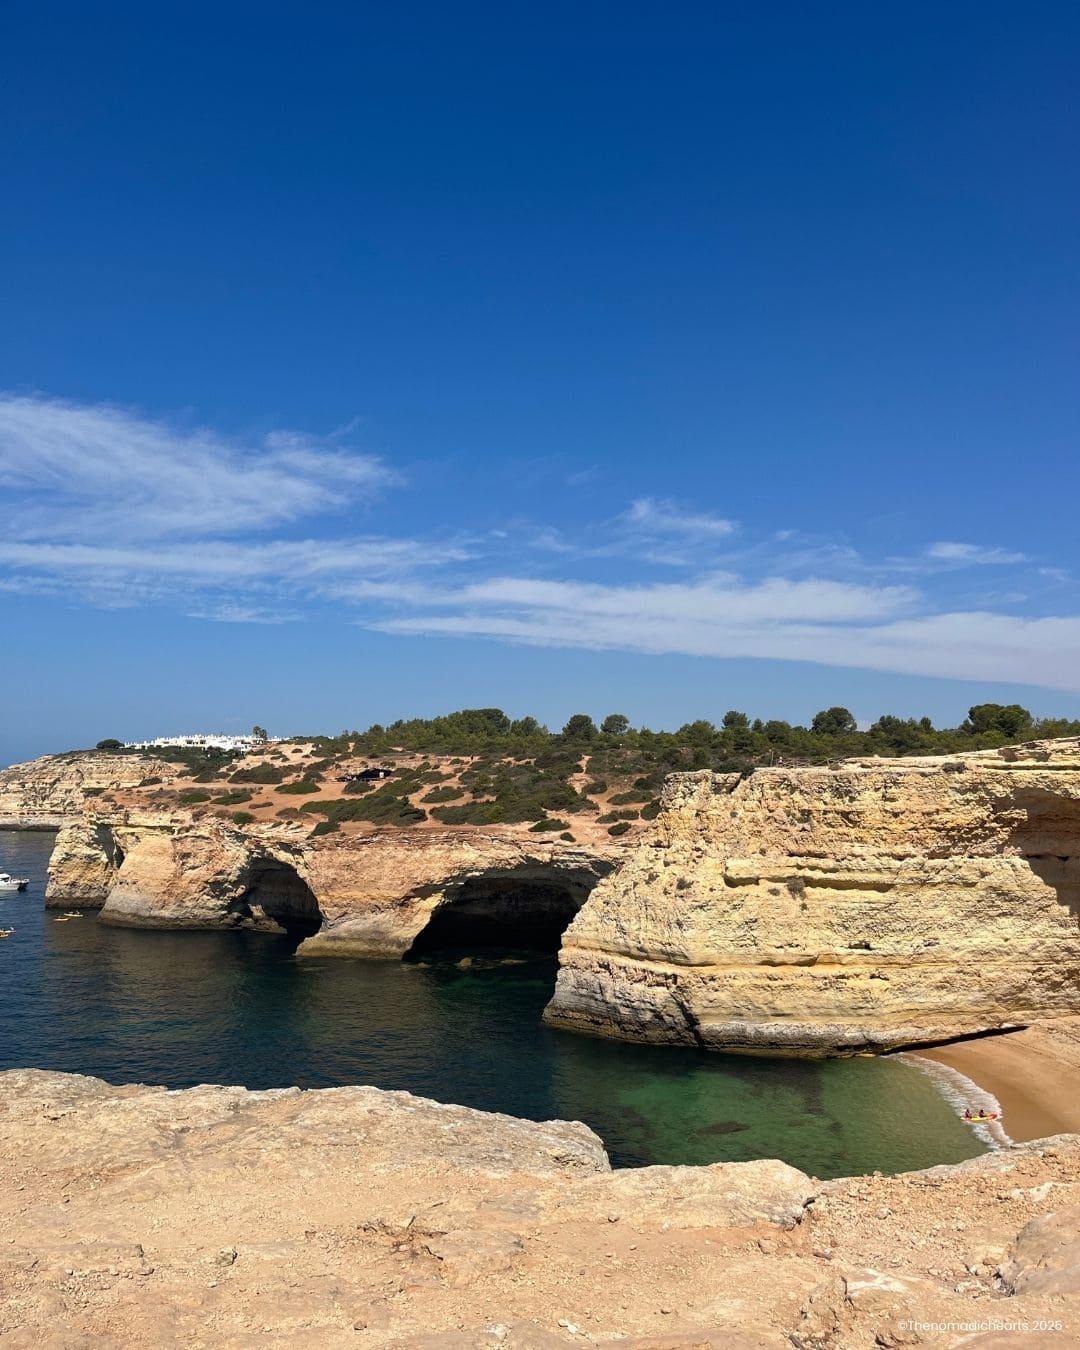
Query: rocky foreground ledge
x,y
134,1216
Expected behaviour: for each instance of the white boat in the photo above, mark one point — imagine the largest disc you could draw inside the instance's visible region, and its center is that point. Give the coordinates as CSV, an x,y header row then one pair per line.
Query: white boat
x,y
10,883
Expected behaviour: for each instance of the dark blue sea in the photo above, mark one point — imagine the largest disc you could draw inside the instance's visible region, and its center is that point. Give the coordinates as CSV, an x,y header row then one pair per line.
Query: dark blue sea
x,y
186,1008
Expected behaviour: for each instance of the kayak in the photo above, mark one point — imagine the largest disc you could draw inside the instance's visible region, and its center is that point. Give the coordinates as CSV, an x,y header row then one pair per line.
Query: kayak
x,y
979,1120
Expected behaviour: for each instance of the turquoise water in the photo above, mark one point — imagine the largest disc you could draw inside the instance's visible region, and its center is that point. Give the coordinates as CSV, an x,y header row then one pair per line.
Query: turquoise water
x,y
185,1008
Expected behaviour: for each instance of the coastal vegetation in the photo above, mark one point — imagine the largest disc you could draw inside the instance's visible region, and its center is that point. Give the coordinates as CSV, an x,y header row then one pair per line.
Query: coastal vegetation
x,y
735,741
480,767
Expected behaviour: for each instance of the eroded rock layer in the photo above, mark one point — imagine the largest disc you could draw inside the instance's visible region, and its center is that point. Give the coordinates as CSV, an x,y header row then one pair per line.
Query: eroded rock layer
x,y
133,1216
861,906
369,895
45,793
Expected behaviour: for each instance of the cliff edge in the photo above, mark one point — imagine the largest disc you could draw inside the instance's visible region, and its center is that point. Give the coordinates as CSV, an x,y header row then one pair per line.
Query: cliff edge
x,y
134,1216
862,906
46,793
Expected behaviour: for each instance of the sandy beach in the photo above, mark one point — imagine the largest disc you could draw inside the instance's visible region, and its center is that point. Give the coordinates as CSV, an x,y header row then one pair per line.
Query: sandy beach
x,y
1034,1074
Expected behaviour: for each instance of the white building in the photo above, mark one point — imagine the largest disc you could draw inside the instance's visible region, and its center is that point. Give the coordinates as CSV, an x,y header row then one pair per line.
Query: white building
x,y
198,742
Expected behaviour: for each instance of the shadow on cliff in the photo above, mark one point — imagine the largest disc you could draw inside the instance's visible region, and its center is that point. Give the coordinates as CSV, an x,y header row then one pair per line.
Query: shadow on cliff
x,y
1048,840
526,910
277,896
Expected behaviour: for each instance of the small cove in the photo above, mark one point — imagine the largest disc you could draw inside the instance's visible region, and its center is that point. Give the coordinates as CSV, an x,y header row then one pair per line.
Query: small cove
x,y
185,1008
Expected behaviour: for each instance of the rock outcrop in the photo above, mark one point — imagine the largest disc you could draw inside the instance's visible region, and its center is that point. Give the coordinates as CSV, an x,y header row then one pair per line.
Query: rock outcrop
x,y
48,792
370,895
862,906
136,1216
865,905
83,864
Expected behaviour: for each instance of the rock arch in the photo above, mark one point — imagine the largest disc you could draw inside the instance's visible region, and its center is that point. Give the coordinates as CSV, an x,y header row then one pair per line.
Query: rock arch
x,y
276,896
527,907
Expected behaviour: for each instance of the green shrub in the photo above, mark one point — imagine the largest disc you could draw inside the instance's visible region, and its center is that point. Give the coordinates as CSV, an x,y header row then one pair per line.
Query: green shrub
x,y
596,787
384,807
471,813
325,827
261,773
233,798
625,798
651,811
150,782
547,826
567,836
559,761
302,787
620,828
288,813
609,816
193,796
443,794
242,817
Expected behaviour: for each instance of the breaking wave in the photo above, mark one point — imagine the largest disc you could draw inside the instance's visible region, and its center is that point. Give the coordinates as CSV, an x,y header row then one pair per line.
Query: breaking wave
x,y
965,1094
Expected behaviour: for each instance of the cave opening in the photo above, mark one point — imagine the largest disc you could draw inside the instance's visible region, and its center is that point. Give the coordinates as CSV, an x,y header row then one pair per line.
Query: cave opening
x,y
110,847
503,912
279,897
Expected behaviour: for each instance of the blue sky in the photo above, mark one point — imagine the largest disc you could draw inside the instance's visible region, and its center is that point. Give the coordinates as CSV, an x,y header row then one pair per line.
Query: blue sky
x,y
359,364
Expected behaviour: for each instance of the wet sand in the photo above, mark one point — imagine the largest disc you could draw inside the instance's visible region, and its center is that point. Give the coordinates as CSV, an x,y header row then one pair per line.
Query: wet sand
x,y
1034,1074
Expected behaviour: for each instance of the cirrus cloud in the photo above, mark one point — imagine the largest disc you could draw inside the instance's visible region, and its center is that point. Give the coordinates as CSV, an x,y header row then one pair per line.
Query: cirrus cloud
x,y
973,555
79,467
111,508
825,623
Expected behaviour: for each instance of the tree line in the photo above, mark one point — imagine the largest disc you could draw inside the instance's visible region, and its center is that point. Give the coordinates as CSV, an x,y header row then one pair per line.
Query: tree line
x,y
737,740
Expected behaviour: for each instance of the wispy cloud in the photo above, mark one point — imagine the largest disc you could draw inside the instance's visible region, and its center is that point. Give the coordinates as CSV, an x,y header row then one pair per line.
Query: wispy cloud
x,y
110,508
78,467
229,613
973,555
227,561
122,510
653,516
775,599
826,623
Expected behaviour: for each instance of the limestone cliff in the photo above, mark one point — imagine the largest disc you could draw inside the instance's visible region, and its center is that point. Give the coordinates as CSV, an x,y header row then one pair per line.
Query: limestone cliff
x,y
860,906
45,793
368,895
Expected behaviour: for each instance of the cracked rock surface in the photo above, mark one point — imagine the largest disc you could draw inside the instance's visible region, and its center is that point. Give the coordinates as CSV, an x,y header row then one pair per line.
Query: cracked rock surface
x,y
134,1216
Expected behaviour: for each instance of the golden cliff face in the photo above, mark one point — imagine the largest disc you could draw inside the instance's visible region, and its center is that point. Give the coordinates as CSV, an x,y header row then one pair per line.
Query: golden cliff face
x,y
862,906
368,895
46,793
